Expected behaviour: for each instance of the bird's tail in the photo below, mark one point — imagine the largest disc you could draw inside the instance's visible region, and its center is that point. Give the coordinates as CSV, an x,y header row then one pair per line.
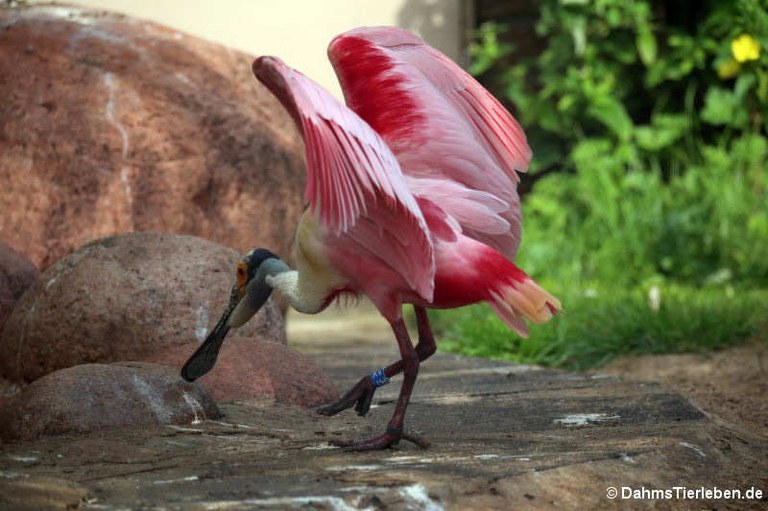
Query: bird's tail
x,y
516,296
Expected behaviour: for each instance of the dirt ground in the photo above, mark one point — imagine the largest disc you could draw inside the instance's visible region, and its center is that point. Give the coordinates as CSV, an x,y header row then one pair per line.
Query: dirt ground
x,y
731,385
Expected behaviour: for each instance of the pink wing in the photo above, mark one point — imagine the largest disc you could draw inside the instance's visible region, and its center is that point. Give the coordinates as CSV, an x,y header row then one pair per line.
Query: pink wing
x,y
354,183
457,145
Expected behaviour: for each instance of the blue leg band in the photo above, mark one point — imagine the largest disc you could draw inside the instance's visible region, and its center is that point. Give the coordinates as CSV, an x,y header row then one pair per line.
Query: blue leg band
x,y
378,378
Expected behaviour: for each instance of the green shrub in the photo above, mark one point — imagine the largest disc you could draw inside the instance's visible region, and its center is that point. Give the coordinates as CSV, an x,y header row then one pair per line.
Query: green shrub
x,y
658,131
598,325
706,226
648,126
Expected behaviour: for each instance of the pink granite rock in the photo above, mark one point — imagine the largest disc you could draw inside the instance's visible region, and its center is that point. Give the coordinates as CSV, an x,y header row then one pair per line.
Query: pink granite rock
x,y
17,273
248,369
113,124
125,297
96,396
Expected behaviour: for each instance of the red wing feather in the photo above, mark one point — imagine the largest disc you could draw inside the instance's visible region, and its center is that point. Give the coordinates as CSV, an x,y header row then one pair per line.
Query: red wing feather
x,y
353,177
441,124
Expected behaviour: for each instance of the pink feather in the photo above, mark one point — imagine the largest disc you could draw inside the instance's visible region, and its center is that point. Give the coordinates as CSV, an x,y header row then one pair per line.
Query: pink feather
x,y
412,192
441,124
416,181
355,188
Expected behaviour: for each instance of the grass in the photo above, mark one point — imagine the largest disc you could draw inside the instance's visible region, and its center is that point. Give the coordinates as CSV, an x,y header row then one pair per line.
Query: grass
x,y
598,325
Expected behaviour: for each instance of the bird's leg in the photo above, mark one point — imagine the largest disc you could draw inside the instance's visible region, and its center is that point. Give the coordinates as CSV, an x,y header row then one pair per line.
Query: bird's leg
x,y
410,367
361,395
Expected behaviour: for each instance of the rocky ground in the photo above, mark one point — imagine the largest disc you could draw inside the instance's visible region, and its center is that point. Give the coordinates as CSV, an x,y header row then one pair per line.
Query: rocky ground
x,y
503,437
730,385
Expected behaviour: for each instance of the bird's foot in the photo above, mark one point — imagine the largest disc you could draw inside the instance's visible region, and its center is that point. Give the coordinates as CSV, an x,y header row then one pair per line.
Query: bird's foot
x,y
389,438
360,396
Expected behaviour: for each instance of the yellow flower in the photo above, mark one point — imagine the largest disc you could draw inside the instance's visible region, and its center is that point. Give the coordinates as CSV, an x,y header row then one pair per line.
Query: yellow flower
x,y
728,69
745,47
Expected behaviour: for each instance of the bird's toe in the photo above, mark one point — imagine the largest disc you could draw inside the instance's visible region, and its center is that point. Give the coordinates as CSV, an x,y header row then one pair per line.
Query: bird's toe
x,y
390,438
360,396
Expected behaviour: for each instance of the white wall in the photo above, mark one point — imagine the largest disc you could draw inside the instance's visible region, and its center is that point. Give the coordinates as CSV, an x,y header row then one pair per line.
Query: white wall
x,y
298,31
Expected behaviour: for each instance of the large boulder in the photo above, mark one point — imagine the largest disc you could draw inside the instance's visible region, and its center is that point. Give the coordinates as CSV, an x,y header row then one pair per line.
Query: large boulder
x,y
248,370
125,297
17,273
112,124
96,396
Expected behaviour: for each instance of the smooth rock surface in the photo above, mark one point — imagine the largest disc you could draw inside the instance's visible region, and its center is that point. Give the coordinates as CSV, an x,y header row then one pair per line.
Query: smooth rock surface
x,y
92,397
248,370
40,493
503,437
125,297
114,124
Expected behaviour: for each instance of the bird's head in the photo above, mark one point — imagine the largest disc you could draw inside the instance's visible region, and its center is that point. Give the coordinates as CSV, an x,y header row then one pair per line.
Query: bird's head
x,y
249,293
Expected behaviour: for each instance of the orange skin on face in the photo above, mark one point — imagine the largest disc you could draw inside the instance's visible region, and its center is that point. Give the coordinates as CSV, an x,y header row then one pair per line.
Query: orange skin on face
x,y
242,277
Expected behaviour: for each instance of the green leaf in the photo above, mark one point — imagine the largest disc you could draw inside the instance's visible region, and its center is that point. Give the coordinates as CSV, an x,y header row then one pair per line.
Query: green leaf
x,y
646,46
566,102
486,49
751,148
579,34
657,73
591,150
648,139
762,87
676,123
743,84
719,106
664,131
610,112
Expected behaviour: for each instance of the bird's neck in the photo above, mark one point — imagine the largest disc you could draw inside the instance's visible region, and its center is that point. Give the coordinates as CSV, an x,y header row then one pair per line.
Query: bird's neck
x,y
288,282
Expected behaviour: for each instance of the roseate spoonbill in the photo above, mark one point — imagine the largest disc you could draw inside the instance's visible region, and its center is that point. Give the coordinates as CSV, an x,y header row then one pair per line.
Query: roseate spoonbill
x,y
412,199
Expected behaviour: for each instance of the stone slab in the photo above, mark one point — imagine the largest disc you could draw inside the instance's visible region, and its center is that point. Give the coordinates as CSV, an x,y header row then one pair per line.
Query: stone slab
x,y
503,437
